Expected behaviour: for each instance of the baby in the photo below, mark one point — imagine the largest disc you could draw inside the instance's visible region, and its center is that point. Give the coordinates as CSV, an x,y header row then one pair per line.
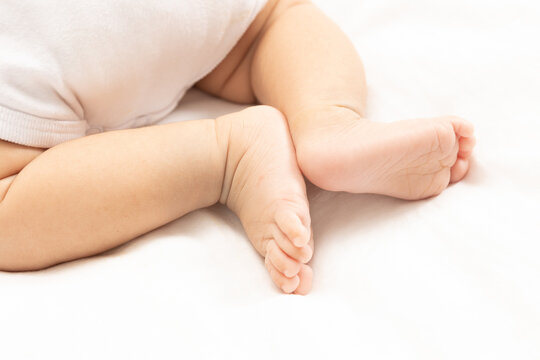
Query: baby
x,y
110,69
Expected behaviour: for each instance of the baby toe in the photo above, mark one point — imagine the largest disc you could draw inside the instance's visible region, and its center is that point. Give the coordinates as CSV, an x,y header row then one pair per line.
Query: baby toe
x,y
287,285
466,146
302,254
290,224
459,170
462,127
281,261
306,280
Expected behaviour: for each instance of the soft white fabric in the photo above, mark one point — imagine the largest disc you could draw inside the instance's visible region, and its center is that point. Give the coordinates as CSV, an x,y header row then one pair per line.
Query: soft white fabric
x,y
454,277
68,68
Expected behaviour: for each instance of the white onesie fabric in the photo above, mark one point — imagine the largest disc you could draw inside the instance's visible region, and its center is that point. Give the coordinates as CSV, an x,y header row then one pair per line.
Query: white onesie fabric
x,y
71,68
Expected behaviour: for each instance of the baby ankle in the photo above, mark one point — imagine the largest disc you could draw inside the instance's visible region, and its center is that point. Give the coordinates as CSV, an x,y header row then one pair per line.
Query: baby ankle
x,y
222,128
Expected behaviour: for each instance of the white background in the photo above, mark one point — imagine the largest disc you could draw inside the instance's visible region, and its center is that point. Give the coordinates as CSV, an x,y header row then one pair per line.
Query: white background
x,y
454,277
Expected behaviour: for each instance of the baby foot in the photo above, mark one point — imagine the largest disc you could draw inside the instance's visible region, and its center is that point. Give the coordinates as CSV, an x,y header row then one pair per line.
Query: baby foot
x,y
264,187
410,159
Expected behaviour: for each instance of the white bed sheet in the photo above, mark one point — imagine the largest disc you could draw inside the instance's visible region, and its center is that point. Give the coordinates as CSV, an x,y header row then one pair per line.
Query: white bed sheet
x,y
454,277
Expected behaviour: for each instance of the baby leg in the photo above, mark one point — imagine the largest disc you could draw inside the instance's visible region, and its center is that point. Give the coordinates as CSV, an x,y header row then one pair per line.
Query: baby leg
x,y
296,59
316,77
91,194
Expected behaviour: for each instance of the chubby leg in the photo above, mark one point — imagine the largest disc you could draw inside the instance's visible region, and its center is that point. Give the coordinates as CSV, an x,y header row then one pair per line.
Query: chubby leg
x,y
318,80
91,194
295,58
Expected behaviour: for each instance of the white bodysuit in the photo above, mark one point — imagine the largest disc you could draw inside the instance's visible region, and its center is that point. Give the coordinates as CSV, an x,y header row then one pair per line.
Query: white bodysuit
x,y
71,68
